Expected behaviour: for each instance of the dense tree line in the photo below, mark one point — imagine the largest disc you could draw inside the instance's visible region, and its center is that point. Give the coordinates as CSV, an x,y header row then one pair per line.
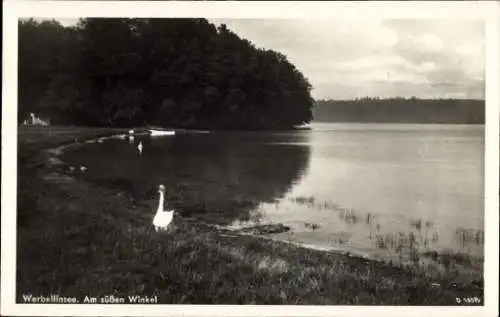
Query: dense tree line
x,y
168,72
404,110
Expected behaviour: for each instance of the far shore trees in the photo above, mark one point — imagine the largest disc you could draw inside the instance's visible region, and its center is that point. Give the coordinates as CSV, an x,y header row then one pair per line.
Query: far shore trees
x,y
402,110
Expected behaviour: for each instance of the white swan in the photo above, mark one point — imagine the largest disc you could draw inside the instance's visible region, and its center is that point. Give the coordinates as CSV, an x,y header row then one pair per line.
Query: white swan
x,y
83,168
163,217
139,147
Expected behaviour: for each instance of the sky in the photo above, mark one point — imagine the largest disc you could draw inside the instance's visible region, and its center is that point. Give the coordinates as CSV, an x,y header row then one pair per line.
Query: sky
x,y
346,58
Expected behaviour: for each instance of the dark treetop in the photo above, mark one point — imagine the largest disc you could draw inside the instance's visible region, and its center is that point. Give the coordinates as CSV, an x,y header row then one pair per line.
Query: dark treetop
x,y
182,73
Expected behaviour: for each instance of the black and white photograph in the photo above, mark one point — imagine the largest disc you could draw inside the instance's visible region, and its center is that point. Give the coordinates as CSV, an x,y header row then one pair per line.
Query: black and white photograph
x,y
166,161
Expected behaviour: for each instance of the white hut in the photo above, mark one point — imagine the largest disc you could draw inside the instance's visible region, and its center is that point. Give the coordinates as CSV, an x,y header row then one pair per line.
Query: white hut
x,y
37,121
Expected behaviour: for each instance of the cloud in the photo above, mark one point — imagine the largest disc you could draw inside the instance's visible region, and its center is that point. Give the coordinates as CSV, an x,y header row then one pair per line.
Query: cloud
x,y
354,58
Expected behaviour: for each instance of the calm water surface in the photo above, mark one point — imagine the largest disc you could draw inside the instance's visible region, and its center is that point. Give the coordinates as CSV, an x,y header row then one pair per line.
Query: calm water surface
x,y
375,189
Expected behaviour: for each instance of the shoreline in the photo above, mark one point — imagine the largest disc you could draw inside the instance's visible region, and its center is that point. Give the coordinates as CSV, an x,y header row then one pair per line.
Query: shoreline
x,y
271,263
52,159
56,152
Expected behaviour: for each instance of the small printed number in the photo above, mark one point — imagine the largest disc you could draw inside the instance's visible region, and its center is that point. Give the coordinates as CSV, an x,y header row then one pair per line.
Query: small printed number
x,y
468,300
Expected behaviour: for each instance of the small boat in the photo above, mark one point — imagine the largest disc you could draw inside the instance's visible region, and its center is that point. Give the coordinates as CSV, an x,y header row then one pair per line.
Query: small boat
x,y
156,132
304,126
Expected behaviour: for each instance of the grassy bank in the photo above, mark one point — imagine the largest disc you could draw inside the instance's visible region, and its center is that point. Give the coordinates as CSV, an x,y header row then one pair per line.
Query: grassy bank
x,y
77,238
33,138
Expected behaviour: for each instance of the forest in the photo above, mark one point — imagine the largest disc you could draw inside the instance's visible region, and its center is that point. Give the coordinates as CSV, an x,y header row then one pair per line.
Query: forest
x,y
178,73
401,110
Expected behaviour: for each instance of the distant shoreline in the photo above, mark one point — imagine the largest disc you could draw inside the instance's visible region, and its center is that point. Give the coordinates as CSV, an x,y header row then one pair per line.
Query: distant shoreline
x,y
401,110
399,122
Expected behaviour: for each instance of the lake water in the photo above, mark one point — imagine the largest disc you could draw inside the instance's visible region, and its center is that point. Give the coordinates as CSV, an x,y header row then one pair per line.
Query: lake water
x,y
375,189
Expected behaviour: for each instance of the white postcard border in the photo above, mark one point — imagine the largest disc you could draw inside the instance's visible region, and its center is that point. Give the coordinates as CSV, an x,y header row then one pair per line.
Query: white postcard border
x,y
485,10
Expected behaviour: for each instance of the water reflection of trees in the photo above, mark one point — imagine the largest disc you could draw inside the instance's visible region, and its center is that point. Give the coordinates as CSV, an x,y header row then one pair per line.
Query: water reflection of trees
x,y
223,177
218,177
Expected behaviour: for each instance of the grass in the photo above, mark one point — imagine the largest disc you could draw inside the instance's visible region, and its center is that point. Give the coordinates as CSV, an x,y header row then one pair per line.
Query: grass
x,y
32,138
77,238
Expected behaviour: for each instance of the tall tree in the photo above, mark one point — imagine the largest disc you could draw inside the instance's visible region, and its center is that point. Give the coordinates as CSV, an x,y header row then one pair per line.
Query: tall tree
x,y
170,72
